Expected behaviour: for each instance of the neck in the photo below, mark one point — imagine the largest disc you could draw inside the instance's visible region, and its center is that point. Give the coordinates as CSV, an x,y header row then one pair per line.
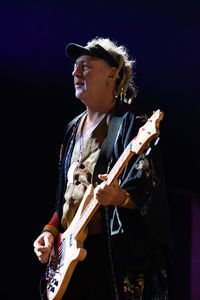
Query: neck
x,y
91,121
95,116
93,113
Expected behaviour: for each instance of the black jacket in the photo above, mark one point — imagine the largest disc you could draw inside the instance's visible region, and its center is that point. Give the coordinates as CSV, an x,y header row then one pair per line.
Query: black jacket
x,y
138,241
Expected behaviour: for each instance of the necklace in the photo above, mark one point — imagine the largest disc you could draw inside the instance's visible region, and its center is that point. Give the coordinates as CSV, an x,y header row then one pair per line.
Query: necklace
x,y
83,137
81,142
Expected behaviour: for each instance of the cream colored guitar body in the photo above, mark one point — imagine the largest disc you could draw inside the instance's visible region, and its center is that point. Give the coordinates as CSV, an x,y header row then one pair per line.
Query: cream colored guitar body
x,y
68,253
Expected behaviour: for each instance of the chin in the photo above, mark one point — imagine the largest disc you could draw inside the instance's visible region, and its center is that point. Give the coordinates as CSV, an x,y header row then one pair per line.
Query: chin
x,y
80,96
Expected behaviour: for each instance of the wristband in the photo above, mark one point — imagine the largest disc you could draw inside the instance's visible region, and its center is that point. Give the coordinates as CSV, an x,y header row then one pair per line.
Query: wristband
x,y
52,229
126,200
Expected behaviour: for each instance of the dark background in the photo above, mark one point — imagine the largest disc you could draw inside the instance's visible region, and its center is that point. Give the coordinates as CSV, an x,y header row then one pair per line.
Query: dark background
x,y
37,100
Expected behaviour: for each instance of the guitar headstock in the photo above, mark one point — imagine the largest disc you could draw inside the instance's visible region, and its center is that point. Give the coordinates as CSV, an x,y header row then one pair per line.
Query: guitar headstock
x,y
147,133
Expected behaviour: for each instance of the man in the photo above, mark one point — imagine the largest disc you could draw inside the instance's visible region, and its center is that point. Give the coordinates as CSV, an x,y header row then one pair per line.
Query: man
x,y
128,237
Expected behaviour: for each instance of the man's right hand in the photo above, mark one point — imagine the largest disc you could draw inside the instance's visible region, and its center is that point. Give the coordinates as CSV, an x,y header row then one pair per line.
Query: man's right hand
x,y
43,246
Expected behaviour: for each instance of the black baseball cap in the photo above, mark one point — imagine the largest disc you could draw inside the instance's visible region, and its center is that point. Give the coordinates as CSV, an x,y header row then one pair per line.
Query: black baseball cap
x,y
74,51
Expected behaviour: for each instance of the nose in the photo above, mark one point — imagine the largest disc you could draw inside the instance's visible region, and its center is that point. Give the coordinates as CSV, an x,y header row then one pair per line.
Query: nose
x,y
76,72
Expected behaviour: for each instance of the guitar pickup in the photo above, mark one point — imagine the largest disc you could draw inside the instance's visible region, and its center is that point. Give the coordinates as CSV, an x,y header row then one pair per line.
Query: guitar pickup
x,y
55,282
51,288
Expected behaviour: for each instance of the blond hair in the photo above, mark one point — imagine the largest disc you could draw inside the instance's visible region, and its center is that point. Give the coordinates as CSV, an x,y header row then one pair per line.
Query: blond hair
x,y
124,80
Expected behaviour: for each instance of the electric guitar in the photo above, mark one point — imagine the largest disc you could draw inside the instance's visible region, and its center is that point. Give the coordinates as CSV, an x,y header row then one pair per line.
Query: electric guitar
x,y
69,249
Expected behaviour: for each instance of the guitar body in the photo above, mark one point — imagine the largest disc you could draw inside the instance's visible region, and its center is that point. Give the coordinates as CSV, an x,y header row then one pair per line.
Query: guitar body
x,y
67,254
61,270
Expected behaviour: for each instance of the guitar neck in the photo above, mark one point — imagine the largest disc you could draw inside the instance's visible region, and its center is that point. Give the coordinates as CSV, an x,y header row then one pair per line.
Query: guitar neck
x,y
120,164
94,204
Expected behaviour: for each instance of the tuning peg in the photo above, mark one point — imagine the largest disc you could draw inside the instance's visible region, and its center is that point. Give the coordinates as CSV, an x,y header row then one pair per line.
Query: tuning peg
x,y
148,151
156,141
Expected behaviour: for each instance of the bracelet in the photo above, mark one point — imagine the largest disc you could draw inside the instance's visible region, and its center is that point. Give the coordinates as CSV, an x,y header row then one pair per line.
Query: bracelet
x,y
126,200
52,229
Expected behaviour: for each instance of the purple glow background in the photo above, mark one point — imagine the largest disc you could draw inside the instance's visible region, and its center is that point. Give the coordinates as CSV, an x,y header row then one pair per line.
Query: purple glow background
x,y
38,100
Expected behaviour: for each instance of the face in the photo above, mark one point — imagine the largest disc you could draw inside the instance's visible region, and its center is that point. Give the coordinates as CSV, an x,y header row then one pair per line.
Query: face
x,y
90,78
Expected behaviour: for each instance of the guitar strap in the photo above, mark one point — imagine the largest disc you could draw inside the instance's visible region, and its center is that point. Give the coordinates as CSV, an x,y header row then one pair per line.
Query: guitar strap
x,y
106,150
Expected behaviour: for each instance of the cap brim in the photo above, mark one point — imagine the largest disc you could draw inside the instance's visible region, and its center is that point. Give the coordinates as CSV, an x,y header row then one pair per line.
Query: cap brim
x,y
74,51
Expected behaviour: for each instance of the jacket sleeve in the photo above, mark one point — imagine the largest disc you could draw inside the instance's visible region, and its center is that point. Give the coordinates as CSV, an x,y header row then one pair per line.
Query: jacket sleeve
x,y
52,225
139,177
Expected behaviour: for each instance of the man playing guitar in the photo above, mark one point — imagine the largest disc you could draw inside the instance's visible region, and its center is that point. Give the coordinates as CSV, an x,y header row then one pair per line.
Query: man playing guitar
x,y
127,235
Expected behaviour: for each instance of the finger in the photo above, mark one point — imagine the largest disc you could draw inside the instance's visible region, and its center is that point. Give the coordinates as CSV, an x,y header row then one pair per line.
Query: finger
x,y
116,184
42,249
44,260
38,253
38,243
103,176
43,257
100,189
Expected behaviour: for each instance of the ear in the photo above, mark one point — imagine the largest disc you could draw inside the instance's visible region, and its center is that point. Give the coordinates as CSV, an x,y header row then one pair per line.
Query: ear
x,y
113,73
